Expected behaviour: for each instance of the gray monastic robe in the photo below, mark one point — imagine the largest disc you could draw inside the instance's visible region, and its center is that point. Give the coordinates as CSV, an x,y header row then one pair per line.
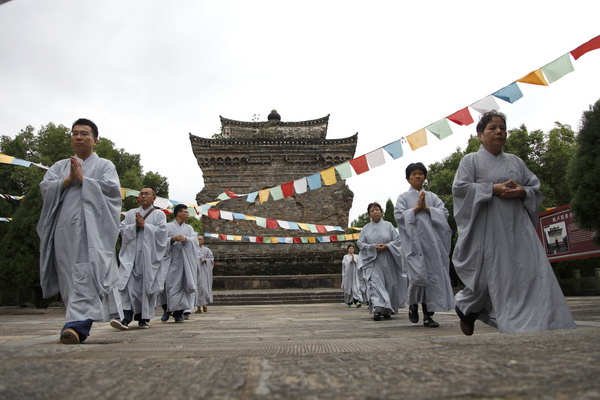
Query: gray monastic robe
x,y
142,251
78,230
498,255
204,281
353,283
426,240
179,268
386,282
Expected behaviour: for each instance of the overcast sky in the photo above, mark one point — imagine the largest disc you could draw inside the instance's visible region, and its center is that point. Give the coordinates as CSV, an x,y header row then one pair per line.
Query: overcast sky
x,y
149,72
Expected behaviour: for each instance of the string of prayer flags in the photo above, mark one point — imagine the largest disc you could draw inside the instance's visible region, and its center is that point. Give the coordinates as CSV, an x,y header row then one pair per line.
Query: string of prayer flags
x,y
3,219
285,239
11,197
6,159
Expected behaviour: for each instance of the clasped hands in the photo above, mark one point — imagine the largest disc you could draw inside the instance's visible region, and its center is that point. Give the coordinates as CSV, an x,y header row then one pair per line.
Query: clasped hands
x,y
76,173
509,190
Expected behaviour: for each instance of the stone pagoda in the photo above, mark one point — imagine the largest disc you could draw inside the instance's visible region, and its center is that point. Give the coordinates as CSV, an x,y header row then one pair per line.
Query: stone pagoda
x,y
248,156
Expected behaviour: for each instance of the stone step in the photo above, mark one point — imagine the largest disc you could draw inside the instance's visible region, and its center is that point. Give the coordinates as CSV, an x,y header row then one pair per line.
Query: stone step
x,y
277,296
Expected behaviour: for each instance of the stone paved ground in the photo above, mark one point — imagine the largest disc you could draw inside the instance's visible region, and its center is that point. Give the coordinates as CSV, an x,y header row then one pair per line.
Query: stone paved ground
x,y
313,351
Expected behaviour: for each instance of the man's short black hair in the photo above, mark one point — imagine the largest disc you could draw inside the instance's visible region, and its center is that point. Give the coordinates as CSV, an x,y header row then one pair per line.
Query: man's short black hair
x,y
415,166
178,208
87,122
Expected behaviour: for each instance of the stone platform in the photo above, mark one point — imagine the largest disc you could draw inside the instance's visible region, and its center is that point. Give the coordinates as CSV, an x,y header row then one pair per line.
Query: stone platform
x,y
309,351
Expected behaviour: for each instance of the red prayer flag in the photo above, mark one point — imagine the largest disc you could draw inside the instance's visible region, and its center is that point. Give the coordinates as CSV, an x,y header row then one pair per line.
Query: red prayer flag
x,y
167,212
586,47
223,237
321,229
231,194
272,223
461,117
360,164
297,240
288,189
333,238
214,213
259,239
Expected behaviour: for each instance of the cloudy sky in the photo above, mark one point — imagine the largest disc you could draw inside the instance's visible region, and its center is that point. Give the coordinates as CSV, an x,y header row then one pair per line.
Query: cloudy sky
x,y
149,72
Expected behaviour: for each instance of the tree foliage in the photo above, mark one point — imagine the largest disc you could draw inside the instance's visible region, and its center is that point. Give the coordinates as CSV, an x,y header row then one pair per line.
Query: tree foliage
x,y
19,258
584,171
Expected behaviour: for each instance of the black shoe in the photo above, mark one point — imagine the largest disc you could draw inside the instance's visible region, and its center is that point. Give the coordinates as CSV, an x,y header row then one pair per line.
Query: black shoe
x,y
165,316
122,325
429,322
387,316
467,322
377,316
413,313
143,325
178,318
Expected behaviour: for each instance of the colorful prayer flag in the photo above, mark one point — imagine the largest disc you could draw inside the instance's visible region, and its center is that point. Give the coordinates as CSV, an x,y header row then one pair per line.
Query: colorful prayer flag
x,y
462,117
510,93
586,47
417,139
360,164
328,176
440,129
394,149
534,78
558,68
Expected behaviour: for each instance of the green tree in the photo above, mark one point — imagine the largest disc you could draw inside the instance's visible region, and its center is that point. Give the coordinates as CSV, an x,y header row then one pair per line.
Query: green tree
x,y
361,221
388,214
584,170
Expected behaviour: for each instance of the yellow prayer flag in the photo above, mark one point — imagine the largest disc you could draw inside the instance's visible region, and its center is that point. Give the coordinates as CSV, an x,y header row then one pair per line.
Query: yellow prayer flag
x,y
348,237
303,226
274,240
312,239
123,190
535,78
355,236
417,139
6,159
238,238
328,176
263,195
250,218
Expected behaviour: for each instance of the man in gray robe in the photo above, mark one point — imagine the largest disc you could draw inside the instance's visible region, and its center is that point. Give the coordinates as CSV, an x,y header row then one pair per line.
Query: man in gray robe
x,y
179,267
380,255
206,261
144,242
426,237
78,230
509,283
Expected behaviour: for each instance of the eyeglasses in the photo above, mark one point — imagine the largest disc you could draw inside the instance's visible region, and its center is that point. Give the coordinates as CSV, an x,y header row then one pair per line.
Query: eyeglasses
x,y
80,133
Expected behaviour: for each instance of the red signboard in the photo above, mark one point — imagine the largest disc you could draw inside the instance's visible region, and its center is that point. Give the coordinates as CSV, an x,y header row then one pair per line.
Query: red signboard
x,y
562,238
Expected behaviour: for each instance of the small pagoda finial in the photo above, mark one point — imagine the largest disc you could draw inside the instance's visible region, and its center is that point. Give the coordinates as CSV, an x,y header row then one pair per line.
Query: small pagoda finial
x,y
274,116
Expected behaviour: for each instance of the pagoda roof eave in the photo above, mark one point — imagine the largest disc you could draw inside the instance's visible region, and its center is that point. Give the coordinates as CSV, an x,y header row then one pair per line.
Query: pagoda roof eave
x,y
282,139
227,121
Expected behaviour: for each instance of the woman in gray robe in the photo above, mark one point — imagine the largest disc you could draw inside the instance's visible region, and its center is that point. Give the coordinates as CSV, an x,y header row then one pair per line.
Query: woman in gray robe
x,y
353,283
380,254
498,256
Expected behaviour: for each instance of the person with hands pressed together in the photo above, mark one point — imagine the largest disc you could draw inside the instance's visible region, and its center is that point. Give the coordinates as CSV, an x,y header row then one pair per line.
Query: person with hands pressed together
x,y
509,283
179,266
144,243
78,230
426,237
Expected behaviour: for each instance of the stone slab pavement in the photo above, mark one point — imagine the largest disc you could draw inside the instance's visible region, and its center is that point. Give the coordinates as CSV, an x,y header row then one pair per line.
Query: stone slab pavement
x,y
312,351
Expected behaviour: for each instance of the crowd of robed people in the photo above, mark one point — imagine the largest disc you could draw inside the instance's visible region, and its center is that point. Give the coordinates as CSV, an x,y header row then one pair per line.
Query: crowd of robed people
x,y
508,281
161,264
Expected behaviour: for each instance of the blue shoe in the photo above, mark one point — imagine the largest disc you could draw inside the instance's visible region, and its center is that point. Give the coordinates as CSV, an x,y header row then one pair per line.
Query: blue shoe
x,y
165,316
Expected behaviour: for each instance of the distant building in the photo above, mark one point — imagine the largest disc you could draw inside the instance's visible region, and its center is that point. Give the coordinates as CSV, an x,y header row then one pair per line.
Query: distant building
x,y
251,156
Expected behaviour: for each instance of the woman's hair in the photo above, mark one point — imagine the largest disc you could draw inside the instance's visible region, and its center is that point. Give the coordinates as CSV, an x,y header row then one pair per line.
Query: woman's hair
x,y
487,117
371,205
415,166
351,245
